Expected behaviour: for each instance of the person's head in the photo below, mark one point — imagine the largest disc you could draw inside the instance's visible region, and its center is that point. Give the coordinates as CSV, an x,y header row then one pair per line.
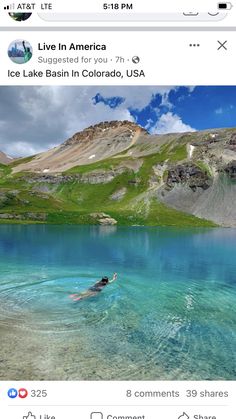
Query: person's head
x,y
104,279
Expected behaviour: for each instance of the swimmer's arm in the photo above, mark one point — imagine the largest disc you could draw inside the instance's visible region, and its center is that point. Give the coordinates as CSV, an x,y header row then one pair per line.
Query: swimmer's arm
x,y
114,278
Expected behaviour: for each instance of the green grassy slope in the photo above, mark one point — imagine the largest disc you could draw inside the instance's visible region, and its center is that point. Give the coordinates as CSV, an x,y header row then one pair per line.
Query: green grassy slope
x,y
73,201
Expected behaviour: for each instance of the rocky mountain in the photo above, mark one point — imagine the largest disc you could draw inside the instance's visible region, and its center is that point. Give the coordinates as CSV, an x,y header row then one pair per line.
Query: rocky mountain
x,y
4,159
95,143
117,173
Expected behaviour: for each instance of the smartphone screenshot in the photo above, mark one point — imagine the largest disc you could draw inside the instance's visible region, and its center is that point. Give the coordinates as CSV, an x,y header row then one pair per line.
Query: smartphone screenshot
x,y
118,210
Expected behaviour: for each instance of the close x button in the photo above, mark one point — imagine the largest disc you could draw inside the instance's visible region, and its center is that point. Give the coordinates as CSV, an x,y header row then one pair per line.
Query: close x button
x,y
222,45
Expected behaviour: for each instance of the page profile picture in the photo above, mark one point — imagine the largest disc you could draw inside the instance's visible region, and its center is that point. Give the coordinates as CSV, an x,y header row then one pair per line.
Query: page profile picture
x,y
20,51
20,17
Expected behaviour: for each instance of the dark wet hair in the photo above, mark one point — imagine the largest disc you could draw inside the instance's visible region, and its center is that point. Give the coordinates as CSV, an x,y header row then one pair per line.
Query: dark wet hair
x,y
105,279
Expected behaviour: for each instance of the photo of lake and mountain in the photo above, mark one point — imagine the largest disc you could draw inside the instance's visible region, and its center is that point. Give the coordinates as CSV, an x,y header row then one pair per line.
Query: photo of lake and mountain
x,y
117,233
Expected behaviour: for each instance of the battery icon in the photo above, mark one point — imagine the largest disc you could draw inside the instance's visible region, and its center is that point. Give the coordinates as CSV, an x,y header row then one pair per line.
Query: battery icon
x,y
225,6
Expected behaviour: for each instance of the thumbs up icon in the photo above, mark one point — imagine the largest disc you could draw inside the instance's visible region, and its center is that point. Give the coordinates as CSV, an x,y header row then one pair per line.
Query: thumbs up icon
x,y
184,416
29,416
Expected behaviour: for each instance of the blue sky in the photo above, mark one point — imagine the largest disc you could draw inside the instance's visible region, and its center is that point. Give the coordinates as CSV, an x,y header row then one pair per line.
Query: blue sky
x,y
198,108
36,118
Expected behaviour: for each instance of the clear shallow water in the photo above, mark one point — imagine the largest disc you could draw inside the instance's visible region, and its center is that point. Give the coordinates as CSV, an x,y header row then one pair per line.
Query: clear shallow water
x,y
170,315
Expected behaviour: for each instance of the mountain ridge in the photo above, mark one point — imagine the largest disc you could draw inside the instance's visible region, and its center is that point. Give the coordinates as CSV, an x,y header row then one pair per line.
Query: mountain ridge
x,y
118,169
95,143
4,158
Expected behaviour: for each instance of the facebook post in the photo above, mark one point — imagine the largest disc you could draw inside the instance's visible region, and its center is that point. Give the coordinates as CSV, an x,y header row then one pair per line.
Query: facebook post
x,y
117,224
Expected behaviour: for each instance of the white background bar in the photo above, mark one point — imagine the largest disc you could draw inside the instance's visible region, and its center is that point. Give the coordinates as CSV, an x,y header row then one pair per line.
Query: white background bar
x,y
164,58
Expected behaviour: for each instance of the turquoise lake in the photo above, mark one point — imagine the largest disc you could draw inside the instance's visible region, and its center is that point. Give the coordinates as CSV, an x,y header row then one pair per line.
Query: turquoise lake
x,y
171,315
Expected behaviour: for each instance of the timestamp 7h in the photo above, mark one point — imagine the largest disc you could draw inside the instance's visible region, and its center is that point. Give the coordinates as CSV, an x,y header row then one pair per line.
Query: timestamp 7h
x,y
117,6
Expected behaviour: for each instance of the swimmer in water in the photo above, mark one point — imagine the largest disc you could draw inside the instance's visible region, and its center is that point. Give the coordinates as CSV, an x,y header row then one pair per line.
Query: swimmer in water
x,y
95,289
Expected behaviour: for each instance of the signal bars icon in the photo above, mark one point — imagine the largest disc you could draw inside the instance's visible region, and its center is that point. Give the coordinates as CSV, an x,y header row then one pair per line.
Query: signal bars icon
x,y
9,7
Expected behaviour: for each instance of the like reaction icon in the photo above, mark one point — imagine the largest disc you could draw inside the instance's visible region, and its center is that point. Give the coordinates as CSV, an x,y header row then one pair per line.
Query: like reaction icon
x,y
12,393
29,416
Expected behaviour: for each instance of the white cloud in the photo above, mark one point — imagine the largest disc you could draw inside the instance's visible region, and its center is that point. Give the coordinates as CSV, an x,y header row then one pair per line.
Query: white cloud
x,y
34,118
191,88
170,123
219,111
224,110
21,148
91,114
